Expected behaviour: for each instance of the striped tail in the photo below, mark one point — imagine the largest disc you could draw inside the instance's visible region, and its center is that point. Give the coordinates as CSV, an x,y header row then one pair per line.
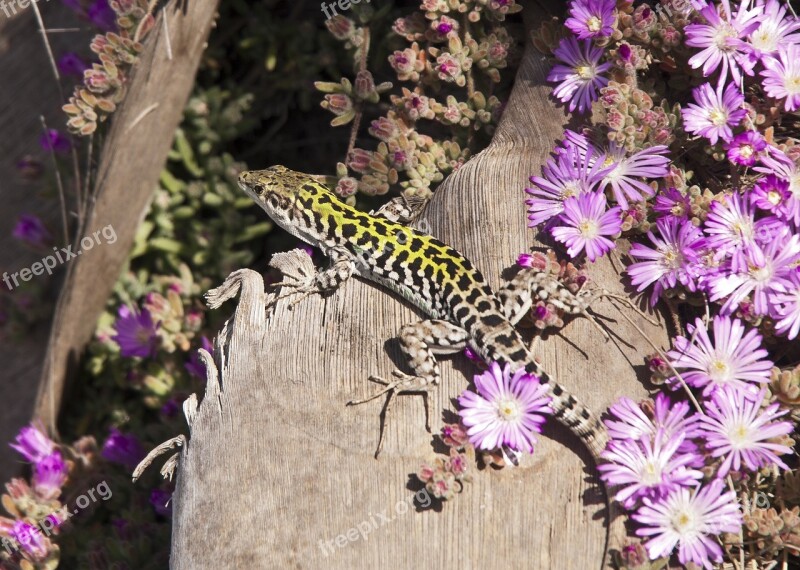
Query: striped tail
x,y
573,414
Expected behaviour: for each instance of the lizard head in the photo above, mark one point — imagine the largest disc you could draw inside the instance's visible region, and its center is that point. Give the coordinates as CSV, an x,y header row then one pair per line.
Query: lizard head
x,y
283,194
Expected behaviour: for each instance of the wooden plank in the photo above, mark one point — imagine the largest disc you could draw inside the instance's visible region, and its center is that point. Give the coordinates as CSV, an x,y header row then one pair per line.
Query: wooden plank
x,y
131,160
278,469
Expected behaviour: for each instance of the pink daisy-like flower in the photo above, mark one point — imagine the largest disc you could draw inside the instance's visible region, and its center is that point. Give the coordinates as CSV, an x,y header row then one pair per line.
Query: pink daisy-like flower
x,y
580,76
775,30
624,173
745,148
722,40
647,468
716,112
732,359
631,423
591,18
33,444
507,410
690,520
672,260
570,173
777,163
730,224
787,308
672,203
736,428
585,225
30,539
760,268
771,193
137,333
782,77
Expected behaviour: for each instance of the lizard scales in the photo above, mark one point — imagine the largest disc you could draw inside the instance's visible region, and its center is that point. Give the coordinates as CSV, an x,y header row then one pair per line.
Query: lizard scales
x,y
428,273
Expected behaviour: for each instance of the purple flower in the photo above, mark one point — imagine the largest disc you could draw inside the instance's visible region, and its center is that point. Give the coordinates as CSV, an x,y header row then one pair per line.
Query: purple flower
x,y
671,262
745,147
721,40
632,423
507,410
777,163
672,203
30,539
736,428
31,230
732,359
772,194
33,444
570,173
647,468
775,31
53,140
715,113
730,224
102,15
782,77
121,448
194,365
137,334
49,476
758,269
690,520
591,18
787,308
161,499
626,171
584,224
71,64
580,77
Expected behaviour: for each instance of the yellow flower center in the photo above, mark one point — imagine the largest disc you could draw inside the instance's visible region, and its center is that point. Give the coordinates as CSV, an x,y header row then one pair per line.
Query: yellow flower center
x,y
760,274
718,117
588,229
774,197
719,371
683,522
724,33
746,150
792,84
585,71
594,24
508,410
650,473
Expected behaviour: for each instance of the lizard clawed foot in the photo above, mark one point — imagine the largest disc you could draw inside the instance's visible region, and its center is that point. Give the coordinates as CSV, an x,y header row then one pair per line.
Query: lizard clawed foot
x,y
405,383
295,288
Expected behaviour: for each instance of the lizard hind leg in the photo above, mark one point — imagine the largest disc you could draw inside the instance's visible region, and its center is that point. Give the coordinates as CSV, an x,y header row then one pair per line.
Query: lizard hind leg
x,y
419,343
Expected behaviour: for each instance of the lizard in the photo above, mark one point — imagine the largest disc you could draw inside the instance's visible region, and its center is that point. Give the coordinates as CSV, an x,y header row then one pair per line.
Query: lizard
x,y
463,309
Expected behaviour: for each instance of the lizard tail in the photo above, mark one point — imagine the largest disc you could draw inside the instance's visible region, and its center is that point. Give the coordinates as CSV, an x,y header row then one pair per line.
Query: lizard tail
x,y
576,417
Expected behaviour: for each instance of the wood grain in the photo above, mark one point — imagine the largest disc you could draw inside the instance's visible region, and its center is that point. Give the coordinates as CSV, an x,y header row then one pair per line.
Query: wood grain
x,y
277,466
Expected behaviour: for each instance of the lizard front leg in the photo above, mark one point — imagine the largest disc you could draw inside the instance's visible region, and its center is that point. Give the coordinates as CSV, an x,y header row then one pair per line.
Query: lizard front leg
x,y
341,269
420,343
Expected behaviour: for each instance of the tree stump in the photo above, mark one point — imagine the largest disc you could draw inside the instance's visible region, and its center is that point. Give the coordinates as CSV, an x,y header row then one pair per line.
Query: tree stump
x,y
278,472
